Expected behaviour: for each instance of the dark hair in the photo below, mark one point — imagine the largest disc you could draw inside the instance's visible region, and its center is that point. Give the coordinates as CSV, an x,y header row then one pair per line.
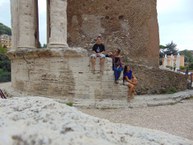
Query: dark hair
x,y
118,50
124,71
99,37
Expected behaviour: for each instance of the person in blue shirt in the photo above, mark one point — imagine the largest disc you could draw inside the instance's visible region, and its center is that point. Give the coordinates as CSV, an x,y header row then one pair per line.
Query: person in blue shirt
x,y
130,80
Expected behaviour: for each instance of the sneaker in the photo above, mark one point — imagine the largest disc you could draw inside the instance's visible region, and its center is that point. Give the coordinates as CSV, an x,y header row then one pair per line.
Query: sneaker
x,y
116,82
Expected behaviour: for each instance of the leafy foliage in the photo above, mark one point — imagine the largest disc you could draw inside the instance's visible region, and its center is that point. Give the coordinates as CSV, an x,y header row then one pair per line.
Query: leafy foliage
x,y
5,66
3,50
188,55
69,104
168,49
4,29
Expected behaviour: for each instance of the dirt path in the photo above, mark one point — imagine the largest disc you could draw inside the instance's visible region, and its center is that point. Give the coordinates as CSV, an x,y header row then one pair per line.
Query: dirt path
x,y
174,119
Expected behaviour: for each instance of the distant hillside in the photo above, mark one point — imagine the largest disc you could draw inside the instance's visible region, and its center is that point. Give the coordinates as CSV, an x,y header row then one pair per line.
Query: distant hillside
x,y
4,29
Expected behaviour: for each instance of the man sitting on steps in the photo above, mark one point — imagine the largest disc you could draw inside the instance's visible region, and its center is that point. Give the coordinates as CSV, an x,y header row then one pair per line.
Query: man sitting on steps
x,y
98,51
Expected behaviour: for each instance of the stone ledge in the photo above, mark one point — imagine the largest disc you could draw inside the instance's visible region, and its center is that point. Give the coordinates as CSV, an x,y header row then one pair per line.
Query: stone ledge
x,y
138,102
45,52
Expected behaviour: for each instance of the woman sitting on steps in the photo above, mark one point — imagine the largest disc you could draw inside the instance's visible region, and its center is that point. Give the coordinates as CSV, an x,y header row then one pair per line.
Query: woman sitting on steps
x,y
130,80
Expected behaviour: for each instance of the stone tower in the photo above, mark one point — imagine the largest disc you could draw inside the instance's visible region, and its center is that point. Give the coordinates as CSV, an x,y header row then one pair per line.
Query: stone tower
x,y
127,24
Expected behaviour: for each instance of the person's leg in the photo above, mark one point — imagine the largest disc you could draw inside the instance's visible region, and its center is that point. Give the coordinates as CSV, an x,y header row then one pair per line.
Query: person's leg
x,y
119,74
130,91
116,75
93,63
102,62
134,82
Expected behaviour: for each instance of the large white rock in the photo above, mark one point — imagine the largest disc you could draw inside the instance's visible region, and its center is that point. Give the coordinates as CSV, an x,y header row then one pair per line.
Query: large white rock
x,y
42,121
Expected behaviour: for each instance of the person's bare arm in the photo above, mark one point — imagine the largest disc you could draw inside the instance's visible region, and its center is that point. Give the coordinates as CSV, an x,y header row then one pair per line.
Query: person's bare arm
x,y
128,80
134,80
121,60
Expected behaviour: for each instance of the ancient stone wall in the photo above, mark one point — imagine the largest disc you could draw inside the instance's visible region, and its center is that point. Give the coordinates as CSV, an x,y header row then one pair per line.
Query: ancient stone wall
x,y
42,73
127,24
65,74
157,81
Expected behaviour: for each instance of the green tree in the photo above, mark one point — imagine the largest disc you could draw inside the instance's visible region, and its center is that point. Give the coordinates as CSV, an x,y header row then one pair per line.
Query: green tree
x,y
170,48
44,46
188,58
5,66
4,29
167,49
3,50
187,55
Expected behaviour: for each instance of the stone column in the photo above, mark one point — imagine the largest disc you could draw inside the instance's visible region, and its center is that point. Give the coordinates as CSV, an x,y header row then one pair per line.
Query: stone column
x,y
165,61
178,62
172,60
48,21
27,24
58,23
36,21
14,24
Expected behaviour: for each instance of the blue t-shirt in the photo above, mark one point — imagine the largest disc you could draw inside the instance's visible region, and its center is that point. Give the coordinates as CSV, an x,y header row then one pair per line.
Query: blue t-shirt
x,y
128,74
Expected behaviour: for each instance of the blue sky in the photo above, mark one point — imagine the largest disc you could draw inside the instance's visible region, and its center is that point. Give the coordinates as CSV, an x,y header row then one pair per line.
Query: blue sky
x,y
175,19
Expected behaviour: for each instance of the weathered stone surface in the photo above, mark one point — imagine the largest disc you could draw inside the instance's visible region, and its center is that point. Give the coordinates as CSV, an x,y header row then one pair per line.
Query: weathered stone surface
x,y
37,121
64,73
127,24
58,23
157,81
27,26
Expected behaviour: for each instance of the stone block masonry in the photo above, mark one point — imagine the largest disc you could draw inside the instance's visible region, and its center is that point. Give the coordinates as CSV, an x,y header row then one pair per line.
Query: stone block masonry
x,y
64,76
127,24
67,74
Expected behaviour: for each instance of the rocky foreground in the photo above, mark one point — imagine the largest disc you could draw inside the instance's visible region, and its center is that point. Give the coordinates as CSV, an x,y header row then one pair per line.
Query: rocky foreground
x,y
43,121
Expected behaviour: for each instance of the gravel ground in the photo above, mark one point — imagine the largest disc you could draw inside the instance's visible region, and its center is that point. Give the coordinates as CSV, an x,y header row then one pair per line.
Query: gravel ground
x,y
174,119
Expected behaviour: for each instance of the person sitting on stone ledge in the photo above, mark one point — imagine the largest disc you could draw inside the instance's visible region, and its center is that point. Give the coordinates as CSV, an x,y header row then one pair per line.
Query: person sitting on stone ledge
x,y
98,51
130,80
117,64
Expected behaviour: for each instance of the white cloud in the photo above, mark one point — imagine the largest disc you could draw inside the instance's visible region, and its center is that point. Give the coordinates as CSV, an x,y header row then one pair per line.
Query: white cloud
x,y
2,2
168,6
175,22
42,20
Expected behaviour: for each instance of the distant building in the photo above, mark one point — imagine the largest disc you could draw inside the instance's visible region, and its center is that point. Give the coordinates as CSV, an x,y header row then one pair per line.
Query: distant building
x,y
173,61
5,41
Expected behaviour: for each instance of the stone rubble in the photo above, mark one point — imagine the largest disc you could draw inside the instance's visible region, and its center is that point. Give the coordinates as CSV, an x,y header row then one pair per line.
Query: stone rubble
x,y
43,121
